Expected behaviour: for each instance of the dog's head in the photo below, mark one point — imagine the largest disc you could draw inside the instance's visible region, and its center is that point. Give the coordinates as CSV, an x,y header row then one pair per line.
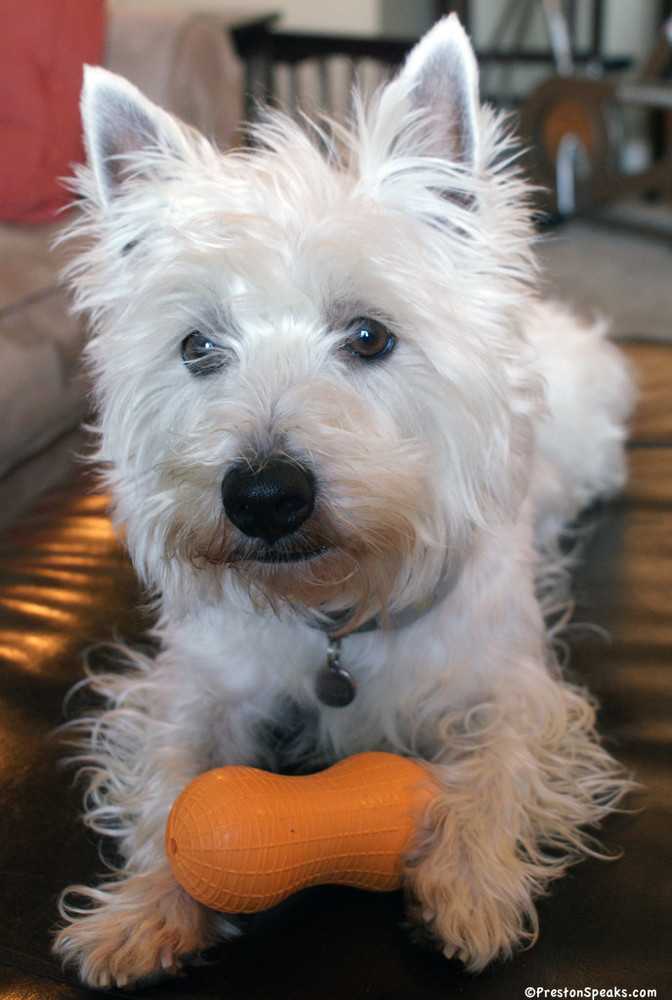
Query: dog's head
x,y
308,358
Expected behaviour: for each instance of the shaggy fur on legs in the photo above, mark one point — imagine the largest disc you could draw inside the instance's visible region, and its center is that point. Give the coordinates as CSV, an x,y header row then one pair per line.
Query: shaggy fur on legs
x,y
359,304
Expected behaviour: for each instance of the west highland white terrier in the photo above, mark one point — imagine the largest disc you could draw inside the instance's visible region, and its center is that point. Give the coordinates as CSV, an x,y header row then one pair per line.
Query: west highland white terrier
x,y
343,435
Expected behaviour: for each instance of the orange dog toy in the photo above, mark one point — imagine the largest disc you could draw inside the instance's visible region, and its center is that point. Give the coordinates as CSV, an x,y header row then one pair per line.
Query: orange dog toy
x,y
241,840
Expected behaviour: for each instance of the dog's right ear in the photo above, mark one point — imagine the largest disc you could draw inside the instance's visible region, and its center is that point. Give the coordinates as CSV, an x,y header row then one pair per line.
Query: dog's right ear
x,y
119,123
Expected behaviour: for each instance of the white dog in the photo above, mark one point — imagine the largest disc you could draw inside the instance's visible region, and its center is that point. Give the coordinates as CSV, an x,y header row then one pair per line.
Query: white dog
x,y
341,431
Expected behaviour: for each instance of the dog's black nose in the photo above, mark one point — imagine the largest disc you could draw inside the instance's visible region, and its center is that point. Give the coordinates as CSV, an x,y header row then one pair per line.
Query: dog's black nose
x,y
270,503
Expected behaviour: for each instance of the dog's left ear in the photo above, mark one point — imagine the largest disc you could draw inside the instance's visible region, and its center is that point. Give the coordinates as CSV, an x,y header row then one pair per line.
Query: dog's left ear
x,y
441,76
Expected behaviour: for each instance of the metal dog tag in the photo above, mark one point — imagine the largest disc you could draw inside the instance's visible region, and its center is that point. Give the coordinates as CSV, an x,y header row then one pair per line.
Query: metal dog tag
x,y
334,686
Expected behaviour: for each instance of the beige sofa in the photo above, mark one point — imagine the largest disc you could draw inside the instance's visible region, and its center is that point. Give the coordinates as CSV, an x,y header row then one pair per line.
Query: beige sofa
x,y
180,53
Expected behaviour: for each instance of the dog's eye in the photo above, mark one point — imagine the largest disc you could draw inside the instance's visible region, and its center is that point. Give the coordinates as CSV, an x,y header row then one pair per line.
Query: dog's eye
x,y
201,354
369,339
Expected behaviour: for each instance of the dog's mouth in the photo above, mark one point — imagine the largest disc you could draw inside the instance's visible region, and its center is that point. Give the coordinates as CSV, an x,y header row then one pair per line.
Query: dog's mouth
x,y
272,556
291,556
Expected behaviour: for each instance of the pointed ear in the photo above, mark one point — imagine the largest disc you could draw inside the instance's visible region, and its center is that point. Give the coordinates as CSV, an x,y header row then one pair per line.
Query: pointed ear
x,y
442,78
118,122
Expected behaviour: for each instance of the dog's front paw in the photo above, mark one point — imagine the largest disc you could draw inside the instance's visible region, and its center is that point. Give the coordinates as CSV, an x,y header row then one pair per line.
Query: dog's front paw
x,y
430,929
467,919
136,929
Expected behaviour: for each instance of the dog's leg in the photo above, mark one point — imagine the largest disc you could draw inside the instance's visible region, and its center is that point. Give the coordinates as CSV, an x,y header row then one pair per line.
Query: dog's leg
x,y
520,781
138,755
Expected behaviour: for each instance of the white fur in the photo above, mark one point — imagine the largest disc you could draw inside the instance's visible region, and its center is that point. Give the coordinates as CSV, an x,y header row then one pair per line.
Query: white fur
x,y
497,418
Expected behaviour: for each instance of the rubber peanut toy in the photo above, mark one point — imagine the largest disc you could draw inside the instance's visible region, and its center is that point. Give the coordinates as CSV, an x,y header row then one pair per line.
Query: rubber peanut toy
x,y
241,840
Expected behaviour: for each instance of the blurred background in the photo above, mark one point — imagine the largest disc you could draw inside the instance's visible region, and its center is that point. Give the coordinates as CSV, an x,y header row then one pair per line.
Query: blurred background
x,y
586,81
588,85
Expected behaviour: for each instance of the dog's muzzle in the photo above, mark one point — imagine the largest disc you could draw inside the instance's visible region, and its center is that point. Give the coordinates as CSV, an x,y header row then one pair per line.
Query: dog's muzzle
x,y
271,502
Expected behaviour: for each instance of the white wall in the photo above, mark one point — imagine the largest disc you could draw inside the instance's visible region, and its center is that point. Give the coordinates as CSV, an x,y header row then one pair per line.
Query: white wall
x,y
351,16
347,16
630,27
